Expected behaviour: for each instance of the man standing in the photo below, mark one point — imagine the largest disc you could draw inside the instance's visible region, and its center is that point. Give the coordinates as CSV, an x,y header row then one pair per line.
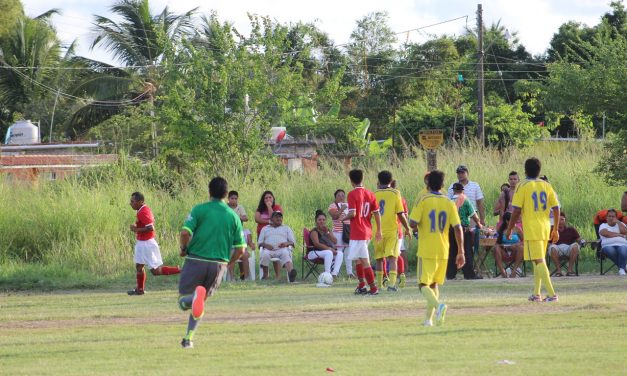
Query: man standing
x,y
432,217
210,231
146,249
465,212
472,190
277,241
391,210
533,200
566,246
362,204
504,203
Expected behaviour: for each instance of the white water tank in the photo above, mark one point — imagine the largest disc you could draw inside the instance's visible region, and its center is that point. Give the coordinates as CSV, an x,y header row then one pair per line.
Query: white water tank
x,y
22,132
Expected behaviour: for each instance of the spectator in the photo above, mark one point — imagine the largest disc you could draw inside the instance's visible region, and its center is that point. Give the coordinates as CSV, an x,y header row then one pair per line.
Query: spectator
x,y
551,219
267,206
614,240
566,246
239,209
466,212
472,191
324,241
508,248
244,271
504,203
277,241
623,203
338,210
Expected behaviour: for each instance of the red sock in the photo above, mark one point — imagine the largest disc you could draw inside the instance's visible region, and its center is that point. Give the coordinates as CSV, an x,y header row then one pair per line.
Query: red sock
x,y
370,278
169,270
400,265
360,275
141,280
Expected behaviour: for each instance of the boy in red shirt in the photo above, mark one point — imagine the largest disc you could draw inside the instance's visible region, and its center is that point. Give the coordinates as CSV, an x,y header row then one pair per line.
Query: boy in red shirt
x,y
146,249
361,205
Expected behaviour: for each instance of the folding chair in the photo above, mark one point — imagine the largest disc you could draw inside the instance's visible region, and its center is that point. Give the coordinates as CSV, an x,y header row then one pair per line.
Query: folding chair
x,y
508,263
312,265
564,261
599,254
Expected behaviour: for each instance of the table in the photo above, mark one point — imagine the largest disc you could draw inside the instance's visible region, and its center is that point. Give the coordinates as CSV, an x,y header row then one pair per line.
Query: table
x,y
485,247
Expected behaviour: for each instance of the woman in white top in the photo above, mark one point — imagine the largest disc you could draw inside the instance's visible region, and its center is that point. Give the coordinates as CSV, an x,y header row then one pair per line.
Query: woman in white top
x,y
614,240
338,210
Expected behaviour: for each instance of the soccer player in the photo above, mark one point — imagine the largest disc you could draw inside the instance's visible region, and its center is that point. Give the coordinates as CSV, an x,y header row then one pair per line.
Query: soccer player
x,y
432,217
146,249
387,250
533,200
362,204
402,259
210,231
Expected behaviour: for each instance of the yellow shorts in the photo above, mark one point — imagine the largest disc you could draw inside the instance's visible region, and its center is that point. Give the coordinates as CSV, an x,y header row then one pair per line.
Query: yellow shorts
x,y
431,271
389,246
535,249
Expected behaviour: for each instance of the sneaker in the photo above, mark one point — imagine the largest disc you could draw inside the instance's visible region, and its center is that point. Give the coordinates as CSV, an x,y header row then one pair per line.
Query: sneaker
x,y
550,299
392,289
135,292
402,280
198,302
374,291
385,281
621,272
361,291
187,344
535,298
440,314
427,323
292,275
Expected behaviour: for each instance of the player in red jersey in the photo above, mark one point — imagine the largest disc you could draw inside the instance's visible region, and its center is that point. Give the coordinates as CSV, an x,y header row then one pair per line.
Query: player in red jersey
x,y
146,249
362,204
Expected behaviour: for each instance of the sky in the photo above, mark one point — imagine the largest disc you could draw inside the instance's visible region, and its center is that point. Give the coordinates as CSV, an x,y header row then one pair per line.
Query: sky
x,y
535,21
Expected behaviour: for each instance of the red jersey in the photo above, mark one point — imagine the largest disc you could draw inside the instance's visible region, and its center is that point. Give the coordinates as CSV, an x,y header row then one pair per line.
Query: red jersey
x,y
363,203
145,218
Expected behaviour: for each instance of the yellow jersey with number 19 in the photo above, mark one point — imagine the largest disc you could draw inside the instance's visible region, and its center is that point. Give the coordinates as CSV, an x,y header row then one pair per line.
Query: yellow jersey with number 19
x,y
434,214
536,199
390,204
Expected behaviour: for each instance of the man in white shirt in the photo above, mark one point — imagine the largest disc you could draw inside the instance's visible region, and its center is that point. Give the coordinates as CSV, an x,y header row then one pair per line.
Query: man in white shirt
x,y
277,241
473,193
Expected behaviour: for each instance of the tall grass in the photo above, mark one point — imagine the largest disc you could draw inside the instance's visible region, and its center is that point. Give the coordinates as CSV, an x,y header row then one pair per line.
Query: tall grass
x,y
83,228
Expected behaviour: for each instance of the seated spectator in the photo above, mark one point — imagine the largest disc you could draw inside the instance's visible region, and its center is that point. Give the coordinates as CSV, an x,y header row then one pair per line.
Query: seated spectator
x,y
243,260
324,241
614,240
566,246
266,207
511,249
623,203
277,241
338,210
237,208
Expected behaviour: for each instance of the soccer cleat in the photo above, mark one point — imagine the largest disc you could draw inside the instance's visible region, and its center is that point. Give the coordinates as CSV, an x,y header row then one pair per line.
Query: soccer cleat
x,y
187,344
392,289
292,275
550,299
361,291
402,280
535,298
427,323
373,292
385,281
440,314
198,302
135,292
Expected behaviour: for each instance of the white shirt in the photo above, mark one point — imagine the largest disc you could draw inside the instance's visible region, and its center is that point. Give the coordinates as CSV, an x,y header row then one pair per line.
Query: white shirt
x,y
276,235
606,242
472,191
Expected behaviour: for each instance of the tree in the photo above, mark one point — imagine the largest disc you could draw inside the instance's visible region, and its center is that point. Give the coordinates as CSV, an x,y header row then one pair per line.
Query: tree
x,y
10,11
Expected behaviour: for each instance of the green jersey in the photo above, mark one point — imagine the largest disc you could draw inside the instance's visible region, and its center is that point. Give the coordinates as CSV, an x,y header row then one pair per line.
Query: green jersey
x,y
215,229
465,212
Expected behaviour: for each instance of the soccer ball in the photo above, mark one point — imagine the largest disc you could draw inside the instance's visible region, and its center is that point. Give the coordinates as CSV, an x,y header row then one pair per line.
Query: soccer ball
x,y
325,278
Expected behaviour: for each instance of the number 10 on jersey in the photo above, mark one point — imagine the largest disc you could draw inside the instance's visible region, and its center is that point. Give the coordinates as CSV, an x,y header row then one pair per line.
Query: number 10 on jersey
x,y
441,220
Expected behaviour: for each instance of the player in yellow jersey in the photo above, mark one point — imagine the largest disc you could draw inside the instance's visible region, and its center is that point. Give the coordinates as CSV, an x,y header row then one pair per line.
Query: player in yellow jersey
x,y
533,200
432,217
389,247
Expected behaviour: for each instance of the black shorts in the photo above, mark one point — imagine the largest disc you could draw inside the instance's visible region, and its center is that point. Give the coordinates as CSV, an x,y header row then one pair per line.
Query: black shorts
x,y
200,273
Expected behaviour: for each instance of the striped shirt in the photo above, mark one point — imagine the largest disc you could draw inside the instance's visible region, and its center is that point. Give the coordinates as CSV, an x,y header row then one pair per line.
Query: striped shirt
x,y
337,223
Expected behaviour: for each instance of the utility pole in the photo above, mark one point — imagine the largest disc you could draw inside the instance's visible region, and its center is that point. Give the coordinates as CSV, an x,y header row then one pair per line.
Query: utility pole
x,y
480,82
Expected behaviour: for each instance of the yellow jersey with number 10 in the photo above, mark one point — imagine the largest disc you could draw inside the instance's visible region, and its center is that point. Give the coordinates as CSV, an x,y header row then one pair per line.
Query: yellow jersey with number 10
x,y
390,204
434,214
536,199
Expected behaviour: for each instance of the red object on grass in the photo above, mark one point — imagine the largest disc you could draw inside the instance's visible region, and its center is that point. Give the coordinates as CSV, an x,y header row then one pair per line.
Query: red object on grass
x,y
329,369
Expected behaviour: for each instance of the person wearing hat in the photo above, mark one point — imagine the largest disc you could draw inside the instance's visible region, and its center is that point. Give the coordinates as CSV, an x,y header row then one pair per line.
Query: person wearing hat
x,y
466,211
277,241
472,190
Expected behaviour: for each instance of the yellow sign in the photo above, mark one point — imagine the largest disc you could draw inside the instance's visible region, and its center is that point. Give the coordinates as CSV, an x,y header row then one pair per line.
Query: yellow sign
x,y
431,139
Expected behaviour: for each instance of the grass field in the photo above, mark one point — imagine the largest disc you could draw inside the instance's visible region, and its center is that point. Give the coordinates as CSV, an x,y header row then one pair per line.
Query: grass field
x,y
279,329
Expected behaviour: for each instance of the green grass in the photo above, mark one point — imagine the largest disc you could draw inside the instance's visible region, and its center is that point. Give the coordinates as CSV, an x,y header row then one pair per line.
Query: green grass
x,y
270,329
69,235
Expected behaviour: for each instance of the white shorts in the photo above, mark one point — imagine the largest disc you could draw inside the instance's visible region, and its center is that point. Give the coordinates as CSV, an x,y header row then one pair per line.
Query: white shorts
x,y
358,249
401,244
147,253
562,249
